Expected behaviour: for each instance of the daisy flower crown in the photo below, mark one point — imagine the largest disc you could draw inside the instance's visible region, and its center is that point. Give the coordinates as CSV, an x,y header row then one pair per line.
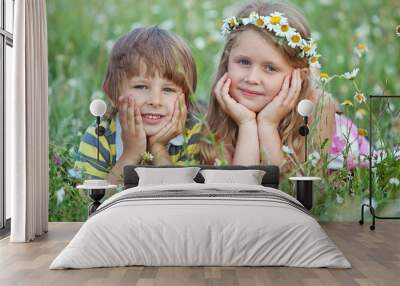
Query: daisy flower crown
x,y
277,24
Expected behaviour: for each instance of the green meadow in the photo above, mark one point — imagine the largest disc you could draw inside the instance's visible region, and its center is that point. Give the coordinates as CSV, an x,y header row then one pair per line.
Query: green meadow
x,y
81,34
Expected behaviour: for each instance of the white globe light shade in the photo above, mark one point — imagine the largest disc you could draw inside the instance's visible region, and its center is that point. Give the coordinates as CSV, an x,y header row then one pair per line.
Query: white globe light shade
x,y
98,107
305,107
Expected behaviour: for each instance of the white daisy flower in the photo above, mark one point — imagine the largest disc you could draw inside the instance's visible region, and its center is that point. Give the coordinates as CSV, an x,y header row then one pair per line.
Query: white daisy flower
x,y
314,158
360,113
276,18
253,17
269,26
232,22
260,22
294,39
360,97
324,77
360,49
316,65
278,24
277,14
309,48
314,61
394,181
229,24
286,149
246,21
351,75
339,199
282,30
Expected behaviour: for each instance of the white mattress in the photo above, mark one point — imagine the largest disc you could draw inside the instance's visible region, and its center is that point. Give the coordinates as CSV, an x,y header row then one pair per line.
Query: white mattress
x,y
189,230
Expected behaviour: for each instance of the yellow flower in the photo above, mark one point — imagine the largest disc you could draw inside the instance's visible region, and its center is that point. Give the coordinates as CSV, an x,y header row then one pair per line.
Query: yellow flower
x,y
360,97
314,59
285,28
362,132
281,30
360,113
309,48
324,76
360,49
275,20
232,22
347,103
361,46
314,62
260,23
295,38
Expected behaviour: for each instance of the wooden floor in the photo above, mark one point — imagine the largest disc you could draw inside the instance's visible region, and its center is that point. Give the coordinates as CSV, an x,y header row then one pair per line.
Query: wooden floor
x,y
374,255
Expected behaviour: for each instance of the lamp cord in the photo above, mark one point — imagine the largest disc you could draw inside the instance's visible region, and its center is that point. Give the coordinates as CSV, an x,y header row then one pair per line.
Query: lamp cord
x,y
305,137
305,151
98,136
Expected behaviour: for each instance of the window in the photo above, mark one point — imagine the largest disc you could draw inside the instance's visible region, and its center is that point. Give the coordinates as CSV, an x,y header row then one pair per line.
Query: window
x,y
6,60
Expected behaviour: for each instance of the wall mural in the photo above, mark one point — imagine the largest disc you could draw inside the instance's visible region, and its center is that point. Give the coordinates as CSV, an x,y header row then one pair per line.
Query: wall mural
x,y
205,84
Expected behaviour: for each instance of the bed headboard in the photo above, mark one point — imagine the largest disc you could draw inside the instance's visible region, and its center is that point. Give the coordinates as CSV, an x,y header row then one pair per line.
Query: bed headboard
x,y
270,179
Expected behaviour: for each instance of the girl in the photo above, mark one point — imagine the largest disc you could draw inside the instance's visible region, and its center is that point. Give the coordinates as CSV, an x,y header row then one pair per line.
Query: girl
x,y
263,74
149,78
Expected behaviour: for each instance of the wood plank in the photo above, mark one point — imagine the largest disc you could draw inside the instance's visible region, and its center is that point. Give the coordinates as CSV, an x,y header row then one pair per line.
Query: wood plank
x,y
375,257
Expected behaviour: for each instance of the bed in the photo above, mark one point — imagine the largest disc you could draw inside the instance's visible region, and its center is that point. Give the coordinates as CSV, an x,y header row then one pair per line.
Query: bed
x,y
201,223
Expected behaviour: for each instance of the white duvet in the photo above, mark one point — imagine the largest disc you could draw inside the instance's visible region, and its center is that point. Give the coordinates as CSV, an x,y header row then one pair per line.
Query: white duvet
x,y
206,230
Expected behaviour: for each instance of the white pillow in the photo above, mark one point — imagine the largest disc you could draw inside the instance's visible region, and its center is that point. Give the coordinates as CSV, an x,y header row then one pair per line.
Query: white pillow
x,y
249,177
163,176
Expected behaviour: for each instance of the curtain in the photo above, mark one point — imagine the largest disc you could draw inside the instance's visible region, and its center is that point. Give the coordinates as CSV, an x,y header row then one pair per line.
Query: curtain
x,y
27,124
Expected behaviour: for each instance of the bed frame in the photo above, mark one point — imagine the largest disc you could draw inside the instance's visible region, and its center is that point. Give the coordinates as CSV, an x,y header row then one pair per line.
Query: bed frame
x,y
270,179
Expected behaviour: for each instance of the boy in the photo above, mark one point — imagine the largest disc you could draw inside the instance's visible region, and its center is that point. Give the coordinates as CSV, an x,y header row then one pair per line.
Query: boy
x,y
150,76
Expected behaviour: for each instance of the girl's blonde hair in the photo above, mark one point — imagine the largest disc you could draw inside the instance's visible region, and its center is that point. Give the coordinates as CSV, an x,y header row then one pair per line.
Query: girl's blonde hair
x,y
150,50
226,130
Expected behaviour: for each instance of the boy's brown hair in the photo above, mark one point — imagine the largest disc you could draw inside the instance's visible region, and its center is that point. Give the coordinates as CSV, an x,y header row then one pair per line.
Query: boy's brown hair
x,y
151,50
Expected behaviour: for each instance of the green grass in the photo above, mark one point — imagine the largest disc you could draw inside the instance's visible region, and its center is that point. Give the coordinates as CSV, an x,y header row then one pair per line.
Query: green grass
x,y
81,33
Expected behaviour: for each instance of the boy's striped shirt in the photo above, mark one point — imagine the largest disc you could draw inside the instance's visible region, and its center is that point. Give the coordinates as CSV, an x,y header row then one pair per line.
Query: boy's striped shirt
x,y
185,154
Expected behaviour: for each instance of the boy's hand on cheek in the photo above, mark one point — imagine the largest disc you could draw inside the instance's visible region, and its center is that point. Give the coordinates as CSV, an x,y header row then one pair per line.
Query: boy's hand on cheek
x,y
174,127
133,134
239,113
273,113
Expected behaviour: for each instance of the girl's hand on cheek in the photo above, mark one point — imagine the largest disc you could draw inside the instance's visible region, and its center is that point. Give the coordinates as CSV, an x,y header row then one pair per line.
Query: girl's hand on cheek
x,y
239,113
174,127
133,135
283,103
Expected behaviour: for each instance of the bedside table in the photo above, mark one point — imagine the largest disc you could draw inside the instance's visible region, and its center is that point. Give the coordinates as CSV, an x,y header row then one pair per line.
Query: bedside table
x,y
304,190
96,192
